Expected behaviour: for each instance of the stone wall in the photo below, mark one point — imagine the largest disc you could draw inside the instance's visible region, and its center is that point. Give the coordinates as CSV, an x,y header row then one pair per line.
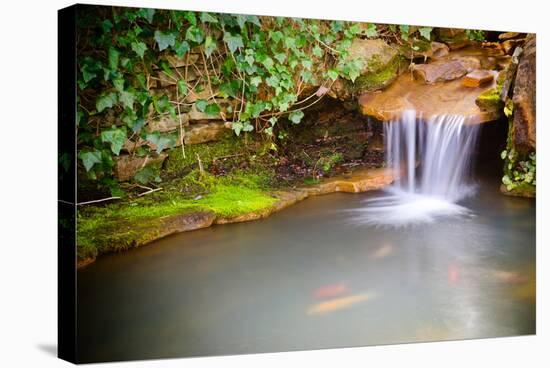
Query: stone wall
x,y
190,126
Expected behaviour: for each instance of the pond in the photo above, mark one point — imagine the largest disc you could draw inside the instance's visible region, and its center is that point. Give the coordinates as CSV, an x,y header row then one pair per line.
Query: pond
x,y
312,277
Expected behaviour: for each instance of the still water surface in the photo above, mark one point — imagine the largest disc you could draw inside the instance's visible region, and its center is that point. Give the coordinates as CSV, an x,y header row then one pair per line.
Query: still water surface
x,y
310,277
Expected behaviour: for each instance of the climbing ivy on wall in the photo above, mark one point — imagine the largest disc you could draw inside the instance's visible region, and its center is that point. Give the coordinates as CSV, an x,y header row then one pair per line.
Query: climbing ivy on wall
x,y
264,68
519,169
263,64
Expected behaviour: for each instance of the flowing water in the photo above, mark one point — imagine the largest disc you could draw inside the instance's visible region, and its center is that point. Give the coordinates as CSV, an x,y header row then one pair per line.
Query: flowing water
x,y
442,147
308,278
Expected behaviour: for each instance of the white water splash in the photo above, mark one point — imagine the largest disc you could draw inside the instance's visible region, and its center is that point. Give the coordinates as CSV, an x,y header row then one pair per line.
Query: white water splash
x,y
432,160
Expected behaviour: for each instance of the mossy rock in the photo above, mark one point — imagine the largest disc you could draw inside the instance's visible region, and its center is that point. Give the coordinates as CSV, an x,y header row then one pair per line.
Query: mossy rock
x,y
380,76
490,100
525,190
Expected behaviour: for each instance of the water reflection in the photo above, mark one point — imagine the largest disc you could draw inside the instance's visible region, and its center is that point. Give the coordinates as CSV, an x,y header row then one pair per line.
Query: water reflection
x,y
307,278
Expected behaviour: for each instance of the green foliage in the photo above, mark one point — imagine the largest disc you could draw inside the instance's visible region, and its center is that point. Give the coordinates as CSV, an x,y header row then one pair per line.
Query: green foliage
x,y
134,222
518,172
263,63
475,35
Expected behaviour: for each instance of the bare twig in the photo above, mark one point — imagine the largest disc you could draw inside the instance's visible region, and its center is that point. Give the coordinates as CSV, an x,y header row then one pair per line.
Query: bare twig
x,y
201,168
182,132
149,192
97,201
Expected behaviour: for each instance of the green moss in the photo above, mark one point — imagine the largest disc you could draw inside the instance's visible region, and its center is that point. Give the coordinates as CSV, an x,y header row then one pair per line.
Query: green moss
x,y
228,145
490,100
379,76
130,223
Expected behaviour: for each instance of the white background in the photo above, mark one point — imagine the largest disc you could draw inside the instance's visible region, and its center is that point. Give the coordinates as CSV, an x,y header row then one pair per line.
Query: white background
x,y
28,181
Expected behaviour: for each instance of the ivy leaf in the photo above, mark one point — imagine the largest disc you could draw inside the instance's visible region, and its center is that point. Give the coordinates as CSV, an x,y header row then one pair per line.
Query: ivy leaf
x,y
119,84
115,137
161,141
404,29
209,46
242,19
237,127
371,31
164,40
139,48
90,158
127,99
425,32
317,51
258,108
106,26
191,17
247,127
146,175
212,109
162,104
230,89
201,105
281,57
207,17
268,63
181,48
113,58
249,59
233,41
296,116
256,80
146,13
106,100
182,87
332,74
88,75
194,34
137,125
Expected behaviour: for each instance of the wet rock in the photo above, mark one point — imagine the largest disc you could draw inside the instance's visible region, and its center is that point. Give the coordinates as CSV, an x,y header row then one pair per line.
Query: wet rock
x,y
127,166
360,181
187,222
424,49
438,50
489,63
439,71
201,133
510,45
508,35
477,78
455,38
430,99
524,98
471,63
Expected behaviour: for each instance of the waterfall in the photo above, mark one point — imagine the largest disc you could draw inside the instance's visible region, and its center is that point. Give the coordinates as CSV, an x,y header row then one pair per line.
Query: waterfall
x,y
432,162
